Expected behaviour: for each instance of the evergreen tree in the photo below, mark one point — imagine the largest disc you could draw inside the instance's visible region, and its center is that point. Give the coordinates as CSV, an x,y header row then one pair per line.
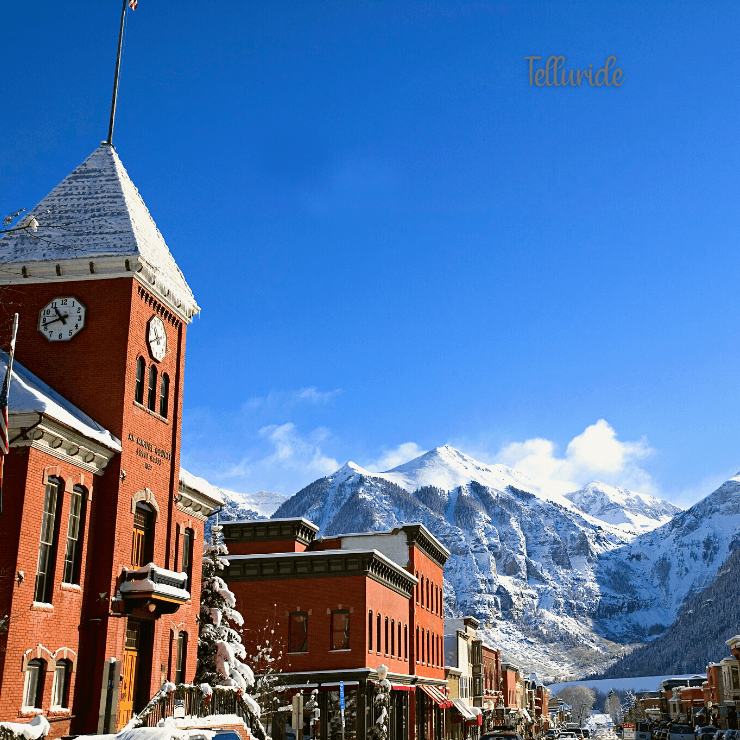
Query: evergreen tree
x,y
220,649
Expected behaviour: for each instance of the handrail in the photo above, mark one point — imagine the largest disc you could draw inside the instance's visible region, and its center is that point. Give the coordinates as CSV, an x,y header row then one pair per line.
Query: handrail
x,y
222,700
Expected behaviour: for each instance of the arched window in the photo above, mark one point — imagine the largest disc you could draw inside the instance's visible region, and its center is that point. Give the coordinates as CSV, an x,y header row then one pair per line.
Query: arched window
x,y
428,599
340,629
423,654
421,585
416,588
75,527
416,654
406,642
139,391
400,650
48,542
377,633
33,690
429,660
142,543
386,636
370,631
151,401
187,556
393,637
60,689
164,395
298,632
182,654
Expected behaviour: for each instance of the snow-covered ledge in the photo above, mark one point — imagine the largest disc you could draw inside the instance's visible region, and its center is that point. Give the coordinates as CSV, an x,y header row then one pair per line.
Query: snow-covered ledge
x,y
158,589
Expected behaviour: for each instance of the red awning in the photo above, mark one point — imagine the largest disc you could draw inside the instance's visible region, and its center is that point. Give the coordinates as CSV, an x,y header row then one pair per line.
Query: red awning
x,y
402,687
436,696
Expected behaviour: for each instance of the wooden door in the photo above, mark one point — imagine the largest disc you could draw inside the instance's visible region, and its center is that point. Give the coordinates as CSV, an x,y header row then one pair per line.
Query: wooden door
x,y
127,688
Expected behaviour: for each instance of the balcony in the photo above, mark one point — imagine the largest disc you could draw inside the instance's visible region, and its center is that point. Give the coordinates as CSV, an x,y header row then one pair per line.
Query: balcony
x,y
159,590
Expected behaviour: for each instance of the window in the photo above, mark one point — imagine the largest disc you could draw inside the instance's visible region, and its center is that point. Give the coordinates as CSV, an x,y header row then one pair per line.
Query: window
x,y
421,584
429,660
423,654
377,633
139,390
393,637
340,629
33,692
406,642
187,556
164,395
74,546
60,689
400,651
416,588
416,654
48,542
143,536
370,631
298,642
151,401
182,654
428,604
386,636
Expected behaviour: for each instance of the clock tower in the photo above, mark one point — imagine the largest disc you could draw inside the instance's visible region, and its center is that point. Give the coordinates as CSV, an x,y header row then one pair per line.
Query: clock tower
x,y
104,310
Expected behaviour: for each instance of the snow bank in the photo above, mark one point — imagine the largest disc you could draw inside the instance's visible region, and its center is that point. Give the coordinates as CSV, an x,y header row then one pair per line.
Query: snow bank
x,y
38,727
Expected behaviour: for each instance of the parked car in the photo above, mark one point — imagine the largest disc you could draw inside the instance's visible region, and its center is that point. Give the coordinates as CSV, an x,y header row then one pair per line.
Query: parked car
x,y
680,732
719,735
502,735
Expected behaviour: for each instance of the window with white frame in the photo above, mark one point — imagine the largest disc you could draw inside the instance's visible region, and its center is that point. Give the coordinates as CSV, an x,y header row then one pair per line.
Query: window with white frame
x,y
60,688
33,690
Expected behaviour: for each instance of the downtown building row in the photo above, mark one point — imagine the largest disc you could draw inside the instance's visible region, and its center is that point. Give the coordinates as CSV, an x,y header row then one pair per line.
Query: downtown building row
x,y
711,699
101,529
338,608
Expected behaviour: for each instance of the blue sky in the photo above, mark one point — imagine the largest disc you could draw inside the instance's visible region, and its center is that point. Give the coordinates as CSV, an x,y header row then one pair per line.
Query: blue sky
x,y
397,243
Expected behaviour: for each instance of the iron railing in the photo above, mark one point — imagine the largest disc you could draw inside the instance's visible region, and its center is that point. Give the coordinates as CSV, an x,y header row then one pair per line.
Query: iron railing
x,y
223,700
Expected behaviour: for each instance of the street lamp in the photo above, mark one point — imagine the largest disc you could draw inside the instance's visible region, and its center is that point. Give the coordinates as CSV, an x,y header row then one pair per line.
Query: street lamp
x,y
382,702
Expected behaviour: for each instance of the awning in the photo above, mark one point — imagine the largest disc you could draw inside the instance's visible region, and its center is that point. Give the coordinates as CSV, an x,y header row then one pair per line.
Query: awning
x,y
436,696
402,687
466,711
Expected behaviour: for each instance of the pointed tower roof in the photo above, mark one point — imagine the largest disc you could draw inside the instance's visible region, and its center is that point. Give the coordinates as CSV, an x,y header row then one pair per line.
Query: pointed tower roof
x,y
95,223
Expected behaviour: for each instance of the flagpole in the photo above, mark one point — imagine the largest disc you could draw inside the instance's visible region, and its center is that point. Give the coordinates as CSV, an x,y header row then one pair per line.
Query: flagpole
x,y
115,79
4,407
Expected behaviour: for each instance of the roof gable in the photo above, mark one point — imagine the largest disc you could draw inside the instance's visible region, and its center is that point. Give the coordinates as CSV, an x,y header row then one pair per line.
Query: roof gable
x,y
96,213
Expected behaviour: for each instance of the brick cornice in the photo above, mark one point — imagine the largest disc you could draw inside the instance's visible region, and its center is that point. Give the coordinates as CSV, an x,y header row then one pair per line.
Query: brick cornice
x,y
419,536
333,564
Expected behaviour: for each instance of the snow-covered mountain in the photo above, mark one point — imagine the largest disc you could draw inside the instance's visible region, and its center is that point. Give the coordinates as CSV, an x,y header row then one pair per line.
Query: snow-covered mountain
x,y
644,582
251,505
628,510
561,590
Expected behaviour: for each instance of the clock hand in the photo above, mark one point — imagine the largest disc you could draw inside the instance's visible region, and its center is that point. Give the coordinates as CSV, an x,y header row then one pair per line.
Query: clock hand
x,y
62,318
46,323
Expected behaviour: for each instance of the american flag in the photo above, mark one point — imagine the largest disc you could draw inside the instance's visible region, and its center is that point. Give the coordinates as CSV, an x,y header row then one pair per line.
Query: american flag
x,y
4,439
132,4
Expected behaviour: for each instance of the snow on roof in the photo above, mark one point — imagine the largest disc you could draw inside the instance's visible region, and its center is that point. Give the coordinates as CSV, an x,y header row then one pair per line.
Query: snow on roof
x,y
201,485
29,394
97,211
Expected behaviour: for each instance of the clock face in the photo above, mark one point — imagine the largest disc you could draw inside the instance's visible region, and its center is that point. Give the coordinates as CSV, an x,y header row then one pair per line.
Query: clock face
x,y
157,338
62,318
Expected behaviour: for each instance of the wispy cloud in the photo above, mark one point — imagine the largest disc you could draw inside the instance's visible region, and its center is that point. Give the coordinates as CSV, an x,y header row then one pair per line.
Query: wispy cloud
x,y
261,444
596,453
391,458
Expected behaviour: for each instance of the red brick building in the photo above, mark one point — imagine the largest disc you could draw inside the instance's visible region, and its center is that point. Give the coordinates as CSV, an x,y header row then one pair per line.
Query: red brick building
x,y
99,525
341,606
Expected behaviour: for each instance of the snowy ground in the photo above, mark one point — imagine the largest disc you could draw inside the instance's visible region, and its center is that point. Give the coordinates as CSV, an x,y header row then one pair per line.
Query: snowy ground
x,y
637,684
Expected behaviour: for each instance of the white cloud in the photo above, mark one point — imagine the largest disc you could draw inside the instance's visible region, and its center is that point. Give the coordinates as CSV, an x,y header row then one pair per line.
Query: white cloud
x,y
391,458
596,453
276,401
